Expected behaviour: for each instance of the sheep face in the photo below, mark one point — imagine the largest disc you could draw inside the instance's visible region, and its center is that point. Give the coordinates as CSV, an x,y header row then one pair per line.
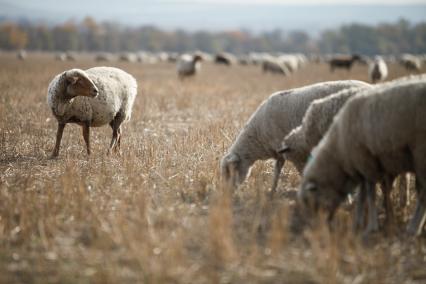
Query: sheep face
x,y
323,188
234,170
294,149
78,84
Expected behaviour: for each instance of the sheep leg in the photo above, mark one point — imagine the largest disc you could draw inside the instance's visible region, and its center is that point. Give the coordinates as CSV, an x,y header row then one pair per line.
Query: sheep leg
x,y
360,209
116,132
279,163
119,138
113,140
373,224
59,133
417,222
386,190
86,136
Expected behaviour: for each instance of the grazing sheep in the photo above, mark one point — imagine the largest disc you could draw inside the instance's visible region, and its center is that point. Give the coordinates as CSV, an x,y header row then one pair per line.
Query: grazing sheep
x,y
103,57
92,98
60,56
344,62
378,70
411,62
274,66
22,55
261,136
188,65
225,58
290,61
298,144
128,57
71,56
378,133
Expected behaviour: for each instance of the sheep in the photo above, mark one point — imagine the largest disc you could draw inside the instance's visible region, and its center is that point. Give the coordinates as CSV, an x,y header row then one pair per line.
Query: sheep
x,y
343,62
92,98
22,54
274,66
378,133
378,70
128,57
188,65
411,62
60,56
225,59
104,56
261,136
71,56
290,61
298,144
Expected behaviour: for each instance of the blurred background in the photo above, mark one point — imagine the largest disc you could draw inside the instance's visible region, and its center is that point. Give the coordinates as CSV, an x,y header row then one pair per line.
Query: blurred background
x,y
307,26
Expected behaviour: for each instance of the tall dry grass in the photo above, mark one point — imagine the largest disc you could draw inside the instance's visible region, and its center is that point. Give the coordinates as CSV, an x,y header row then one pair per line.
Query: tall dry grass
x,y
157,213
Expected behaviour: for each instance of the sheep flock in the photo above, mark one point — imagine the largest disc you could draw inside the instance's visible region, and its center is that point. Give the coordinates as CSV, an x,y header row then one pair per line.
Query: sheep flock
x,y
298,125
252,150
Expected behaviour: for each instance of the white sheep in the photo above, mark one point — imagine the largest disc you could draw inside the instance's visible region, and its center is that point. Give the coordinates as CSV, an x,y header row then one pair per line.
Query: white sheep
x,y
378,133
92,98
261,137
377,70
298,144
273,65
22,54
188,65
411,62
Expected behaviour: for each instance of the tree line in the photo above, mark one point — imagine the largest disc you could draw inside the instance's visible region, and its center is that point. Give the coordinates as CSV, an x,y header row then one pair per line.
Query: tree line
x,y
89,35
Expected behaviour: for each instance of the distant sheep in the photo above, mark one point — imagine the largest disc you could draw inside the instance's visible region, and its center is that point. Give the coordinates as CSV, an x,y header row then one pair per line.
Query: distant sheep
x,y
22,55
128,57
92,98
411,62
70,56
364,145
261,137
274,66
60,56
225,58
188,65
103,57
344,62
377,70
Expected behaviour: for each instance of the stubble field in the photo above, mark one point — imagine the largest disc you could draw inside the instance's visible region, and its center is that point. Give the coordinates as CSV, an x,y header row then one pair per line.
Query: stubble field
x,y
157,213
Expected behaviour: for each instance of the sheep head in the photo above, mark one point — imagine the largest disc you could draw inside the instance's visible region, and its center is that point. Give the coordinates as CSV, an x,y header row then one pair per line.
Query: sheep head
x,y
323,188
234,169
293,148
79,84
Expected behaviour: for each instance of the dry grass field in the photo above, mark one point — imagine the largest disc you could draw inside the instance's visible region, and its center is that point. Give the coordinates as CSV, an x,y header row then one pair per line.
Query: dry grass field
x,y
157,213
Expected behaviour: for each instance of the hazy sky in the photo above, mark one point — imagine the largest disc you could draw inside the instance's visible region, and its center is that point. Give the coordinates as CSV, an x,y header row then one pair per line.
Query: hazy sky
x,y
214,15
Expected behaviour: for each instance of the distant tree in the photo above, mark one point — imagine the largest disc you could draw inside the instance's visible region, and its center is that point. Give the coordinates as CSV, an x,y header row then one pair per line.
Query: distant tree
x,y
12,36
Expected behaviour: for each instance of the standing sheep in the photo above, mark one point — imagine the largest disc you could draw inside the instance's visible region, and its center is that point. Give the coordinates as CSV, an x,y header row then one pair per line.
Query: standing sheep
x,y
92,98
225,58
344,62
377,70
188,65
261,137
272,65
378,133
411,62
22,54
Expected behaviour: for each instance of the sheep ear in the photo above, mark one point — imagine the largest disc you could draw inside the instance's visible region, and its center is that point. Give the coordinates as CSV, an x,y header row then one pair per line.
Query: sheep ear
x,y
284,149
72,79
